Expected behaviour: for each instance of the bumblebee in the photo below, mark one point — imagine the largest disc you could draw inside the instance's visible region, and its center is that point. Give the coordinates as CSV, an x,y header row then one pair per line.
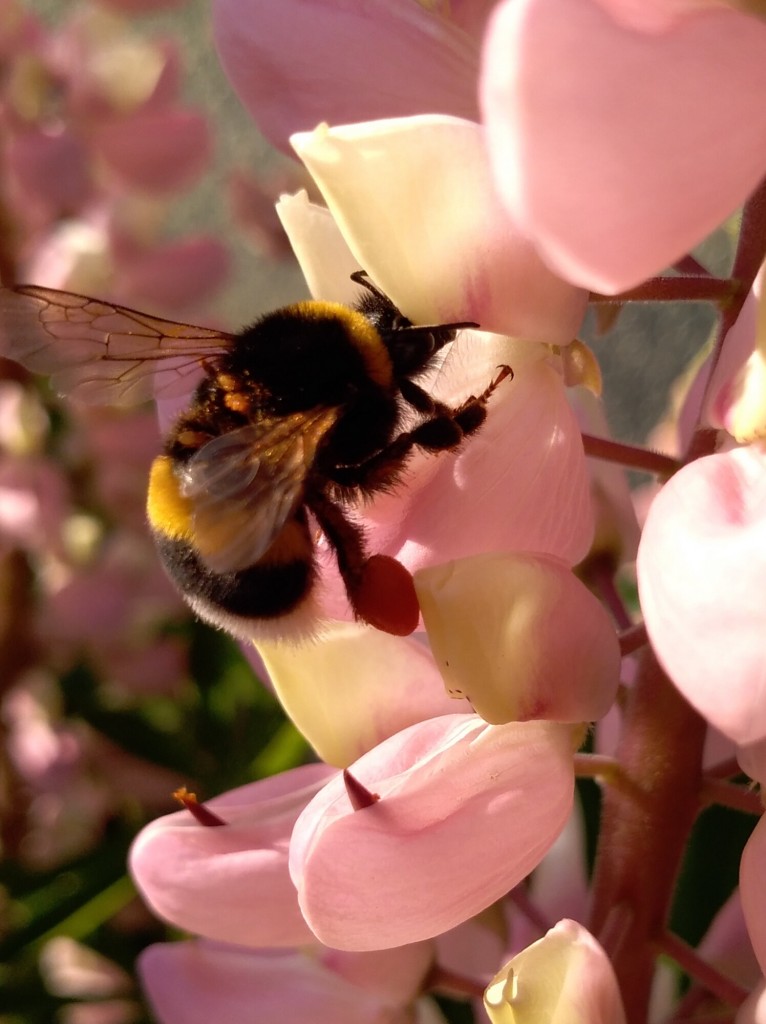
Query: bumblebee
x,y
296,419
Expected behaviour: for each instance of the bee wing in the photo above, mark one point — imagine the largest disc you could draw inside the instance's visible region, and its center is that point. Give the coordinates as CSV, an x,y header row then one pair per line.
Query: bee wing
x,y
99,352
244,485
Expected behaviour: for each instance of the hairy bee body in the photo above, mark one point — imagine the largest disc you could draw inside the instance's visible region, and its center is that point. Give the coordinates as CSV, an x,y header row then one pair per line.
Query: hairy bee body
x,y
296,419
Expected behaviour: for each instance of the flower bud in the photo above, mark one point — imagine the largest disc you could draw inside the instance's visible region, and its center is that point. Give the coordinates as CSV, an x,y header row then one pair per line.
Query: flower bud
x,y
563,978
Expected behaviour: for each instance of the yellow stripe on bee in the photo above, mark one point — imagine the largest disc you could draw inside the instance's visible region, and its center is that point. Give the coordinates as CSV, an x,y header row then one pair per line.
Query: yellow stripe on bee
x,y
372,348
168,511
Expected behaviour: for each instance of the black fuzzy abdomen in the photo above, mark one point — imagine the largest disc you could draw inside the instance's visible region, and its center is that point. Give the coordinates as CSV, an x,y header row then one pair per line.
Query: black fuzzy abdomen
x,y
262,591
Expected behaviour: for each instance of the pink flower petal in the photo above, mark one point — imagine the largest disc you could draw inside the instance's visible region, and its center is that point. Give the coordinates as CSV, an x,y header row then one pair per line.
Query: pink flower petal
x,y
656,15
297,63
736,395
752,761
617,151
453,792
523,473
753,1010
701,567
395,975
751,875
230,882
445,250
199,982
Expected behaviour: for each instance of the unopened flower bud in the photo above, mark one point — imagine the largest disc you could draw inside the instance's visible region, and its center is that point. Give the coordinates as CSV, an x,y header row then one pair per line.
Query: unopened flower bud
x,y
564,978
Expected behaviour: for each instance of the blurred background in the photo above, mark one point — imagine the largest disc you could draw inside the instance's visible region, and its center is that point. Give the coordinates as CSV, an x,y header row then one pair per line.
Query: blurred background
x,y
129,171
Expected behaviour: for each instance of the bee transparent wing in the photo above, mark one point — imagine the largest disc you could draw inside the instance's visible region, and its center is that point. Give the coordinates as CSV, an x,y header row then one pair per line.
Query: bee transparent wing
x,y
245,485
101,353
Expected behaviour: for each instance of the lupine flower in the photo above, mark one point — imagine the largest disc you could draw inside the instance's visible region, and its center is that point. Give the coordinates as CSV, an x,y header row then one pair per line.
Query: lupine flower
x,y
700,565
230,882
605,126
445,794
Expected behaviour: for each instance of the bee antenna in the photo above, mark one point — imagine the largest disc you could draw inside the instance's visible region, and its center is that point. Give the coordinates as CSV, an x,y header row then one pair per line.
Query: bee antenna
x,y
438,327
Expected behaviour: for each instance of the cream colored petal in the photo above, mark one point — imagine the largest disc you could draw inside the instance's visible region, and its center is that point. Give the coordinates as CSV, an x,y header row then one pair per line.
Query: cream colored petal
x,y
414,199
521,637
355,688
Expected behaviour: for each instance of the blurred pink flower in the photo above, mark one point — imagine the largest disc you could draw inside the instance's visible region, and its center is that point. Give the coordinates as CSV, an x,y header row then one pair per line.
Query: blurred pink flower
x,y
621,134
387,58
42,749
92,120
72,970
34,499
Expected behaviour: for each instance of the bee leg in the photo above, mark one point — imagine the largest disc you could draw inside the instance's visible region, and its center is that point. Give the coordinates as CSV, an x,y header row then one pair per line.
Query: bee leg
x,y
444,430
380,590
345,537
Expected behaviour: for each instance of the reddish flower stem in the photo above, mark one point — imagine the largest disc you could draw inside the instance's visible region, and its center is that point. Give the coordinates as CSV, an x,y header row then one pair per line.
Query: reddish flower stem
x,y
633,639
687,288
705,974
598,573
631,456
723,769
444,980
729,794
519,897
596,766
751,244
644,829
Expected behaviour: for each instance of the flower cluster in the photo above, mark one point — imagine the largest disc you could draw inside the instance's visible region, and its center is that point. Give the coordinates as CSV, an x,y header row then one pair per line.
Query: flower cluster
x,y
491,163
